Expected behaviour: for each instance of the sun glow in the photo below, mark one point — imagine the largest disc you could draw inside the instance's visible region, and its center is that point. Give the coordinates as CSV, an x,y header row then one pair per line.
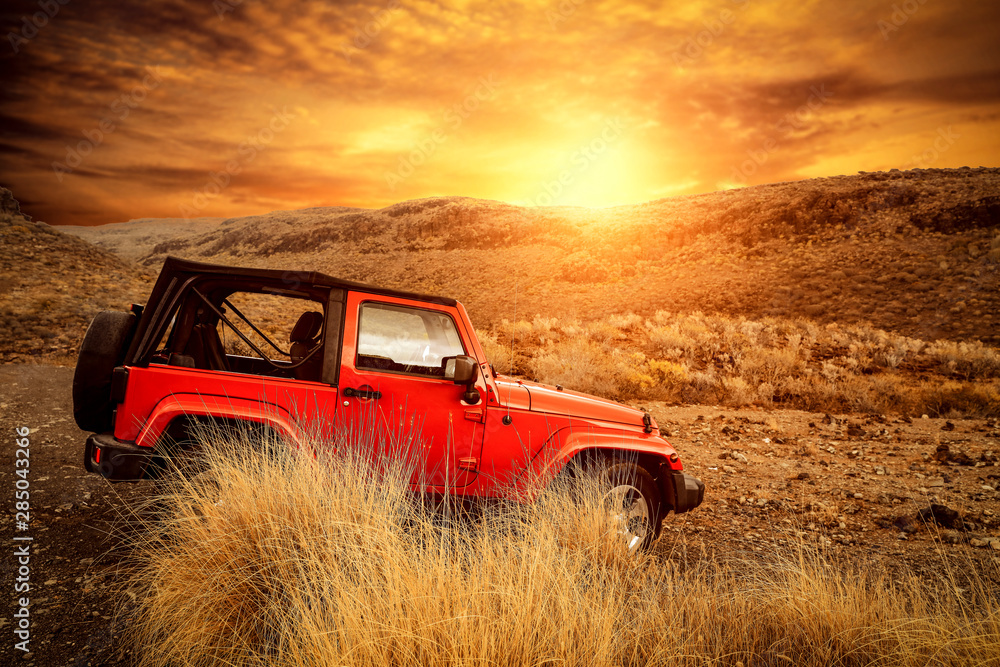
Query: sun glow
x,y
603,171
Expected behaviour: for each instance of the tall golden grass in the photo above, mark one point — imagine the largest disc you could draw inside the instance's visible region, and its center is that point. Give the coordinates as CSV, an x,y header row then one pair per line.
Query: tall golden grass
x,y
283,560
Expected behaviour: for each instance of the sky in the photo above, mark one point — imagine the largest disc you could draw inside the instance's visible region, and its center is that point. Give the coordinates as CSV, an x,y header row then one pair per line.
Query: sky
x,y
114,110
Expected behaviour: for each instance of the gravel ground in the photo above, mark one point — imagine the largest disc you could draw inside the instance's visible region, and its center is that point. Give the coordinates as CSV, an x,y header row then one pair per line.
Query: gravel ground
x,y
908,494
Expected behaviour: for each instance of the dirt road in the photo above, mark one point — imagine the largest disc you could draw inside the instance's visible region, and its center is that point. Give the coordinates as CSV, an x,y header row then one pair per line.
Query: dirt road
x,y
76,526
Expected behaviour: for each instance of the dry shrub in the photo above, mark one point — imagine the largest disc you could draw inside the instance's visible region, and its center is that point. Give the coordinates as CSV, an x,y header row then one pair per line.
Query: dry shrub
x,y
966,359
738,392
652,379
951,399
874,393
770,365
993,254
498,354
603,331
625,321
578,364
712,358
304,561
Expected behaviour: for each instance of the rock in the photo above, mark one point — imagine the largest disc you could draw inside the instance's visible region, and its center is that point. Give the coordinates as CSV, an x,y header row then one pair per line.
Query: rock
x,y
995,545
87,562
961,458
728,469
855,431
976,542
10,205
737,456
943,454
906,524
802,476
941,515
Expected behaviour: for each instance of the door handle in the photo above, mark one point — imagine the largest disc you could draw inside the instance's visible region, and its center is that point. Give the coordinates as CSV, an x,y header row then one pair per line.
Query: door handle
x,y
362,393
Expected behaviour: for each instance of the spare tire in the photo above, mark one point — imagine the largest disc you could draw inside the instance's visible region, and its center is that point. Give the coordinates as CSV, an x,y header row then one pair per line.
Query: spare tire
x,y
102,349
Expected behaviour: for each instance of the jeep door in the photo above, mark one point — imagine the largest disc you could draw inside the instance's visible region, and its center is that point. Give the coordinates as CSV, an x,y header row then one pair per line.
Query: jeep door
x,y
395,397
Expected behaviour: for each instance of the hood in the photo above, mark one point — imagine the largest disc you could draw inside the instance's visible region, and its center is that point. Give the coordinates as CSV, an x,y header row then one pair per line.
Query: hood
x,y
549,399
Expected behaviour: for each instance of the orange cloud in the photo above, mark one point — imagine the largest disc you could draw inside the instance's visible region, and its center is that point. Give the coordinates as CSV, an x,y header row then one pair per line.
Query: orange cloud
x,y
118,110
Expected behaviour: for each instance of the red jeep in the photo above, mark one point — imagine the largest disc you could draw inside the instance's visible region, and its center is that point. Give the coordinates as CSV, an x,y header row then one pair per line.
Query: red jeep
x,y
301,353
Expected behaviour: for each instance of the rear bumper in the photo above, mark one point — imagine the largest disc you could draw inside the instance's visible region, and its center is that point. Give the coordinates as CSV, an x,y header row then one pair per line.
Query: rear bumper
x,y
115,460
688,492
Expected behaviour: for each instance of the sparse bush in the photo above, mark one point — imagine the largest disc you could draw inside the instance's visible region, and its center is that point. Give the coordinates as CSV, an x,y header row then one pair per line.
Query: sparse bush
x,y
498,355
711,358
965,359
768,365
580,364
738,392
950,399
993,254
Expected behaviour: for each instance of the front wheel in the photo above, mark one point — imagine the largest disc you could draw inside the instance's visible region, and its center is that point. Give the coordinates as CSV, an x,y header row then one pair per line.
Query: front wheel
x,y
633,501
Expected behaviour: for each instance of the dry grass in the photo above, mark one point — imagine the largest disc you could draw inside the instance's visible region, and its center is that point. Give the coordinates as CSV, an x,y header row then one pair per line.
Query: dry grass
x,y
714,359
323,561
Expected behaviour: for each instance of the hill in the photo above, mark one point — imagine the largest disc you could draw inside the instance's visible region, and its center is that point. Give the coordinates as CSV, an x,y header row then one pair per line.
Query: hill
x,y
916,252
52,284
132,240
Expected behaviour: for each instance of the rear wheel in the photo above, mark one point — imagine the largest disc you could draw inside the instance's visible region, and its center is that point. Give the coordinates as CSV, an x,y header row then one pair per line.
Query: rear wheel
x,y
103,349
633,501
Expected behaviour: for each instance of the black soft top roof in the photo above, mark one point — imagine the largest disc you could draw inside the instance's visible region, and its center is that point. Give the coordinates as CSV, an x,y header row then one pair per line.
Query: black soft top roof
x,y
175,267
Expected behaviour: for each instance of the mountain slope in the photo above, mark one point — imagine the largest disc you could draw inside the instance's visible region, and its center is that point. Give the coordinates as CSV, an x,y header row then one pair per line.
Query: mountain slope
x,y
913,251
51,286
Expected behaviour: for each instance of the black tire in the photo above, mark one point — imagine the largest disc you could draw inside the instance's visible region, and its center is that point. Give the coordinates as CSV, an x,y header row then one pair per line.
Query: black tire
x,y
102,349
634,499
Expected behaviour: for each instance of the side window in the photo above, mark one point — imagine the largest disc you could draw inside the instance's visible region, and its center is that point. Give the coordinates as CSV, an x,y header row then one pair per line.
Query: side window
x,y
284,334
406,340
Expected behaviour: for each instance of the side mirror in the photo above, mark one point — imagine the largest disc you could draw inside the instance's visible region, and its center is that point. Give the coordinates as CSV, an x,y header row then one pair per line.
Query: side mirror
x,y
463,370
460,370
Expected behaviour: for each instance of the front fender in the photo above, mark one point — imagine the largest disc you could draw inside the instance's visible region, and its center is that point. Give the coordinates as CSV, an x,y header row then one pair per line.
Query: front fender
x,y
568,443
218,407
